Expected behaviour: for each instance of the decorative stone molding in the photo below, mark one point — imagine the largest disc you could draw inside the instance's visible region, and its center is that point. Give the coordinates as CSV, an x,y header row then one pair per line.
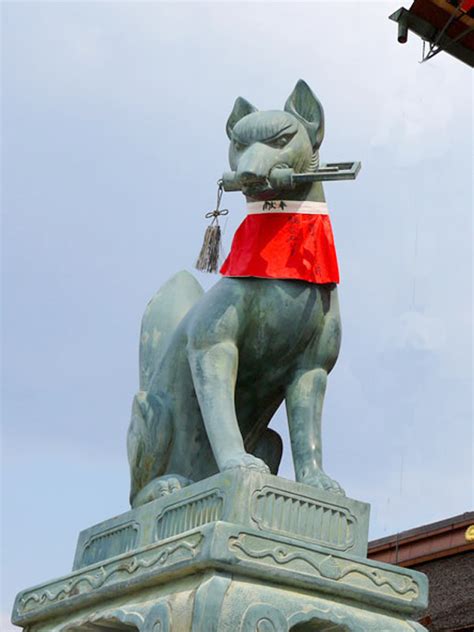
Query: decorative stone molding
x,y
110,543
158,619
398,584
262,617
303,517
189,514
250,499
207,553
116,571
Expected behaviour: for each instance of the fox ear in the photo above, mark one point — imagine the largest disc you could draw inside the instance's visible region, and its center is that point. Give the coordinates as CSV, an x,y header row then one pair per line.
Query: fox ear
x,y
241,108
303,104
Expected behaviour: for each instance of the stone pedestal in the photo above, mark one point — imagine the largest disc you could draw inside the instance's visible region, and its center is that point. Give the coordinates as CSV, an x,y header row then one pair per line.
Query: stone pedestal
x,y
238,552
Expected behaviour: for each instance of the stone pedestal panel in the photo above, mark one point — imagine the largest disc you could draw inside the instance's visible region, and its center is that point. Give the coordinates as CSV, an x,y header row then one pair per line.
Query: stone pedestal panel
x,y
239,552
268,503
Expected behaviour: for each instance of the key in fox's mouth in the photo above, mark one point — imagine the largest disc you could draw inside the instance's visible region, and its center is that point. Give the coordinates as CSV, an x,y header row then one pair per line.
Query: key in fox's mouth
x,y
256,187
253,185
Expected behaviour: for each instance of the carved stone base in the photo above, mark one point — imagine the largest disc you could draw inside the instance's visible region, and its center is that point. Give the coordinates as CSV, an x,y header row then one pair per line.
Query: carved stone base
x,y
239,552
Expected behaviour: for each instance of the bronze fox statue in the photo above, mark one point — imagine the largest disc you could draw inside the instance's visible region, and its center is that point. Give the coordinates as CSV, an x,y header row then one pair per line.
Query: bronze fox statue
x,y
215,366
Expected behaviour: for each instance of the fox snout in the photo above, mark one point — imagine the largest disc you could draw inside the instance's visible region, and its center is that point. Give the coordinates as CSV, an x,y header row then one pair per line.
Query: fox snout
x,y
255,161
254,164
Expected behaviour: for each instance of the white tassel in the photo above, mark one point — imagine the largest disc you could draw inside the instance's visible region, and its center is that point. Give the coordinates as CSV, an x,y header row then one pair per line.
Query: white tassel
x,y
208,260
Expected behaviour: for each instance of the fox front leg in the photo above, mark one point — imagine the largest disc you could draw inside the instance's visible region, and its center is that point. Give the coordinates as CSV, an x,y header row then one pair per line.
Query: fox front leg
x,y
304,405
214,370
213,357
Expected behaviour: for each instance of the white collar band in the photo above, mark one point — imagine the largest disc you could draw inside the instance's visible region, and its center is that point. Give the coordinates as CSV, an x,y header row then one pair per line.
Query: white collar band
x,y
287,206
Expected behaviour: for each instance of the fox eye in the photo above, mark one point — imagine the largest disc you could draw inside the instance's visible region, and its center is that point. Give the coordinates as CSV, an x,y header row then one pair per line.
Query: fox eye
x,y
239,146
281,141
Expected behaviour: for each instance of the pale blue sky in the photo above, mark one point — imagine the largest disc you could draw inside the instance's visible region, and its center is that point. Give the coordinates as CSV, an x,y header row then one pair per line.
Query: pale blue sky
x,y
113,126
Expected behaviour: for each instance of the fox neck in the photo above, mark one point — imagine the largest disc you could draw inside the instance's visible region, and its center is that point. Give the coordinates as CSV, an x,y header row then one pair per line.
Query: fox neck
x,y
312,192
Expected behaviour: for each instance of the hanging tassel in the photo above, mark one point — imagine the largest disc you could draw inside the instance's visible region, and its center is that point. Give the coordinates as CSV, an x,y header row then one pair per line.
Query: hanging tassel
x,y
208,260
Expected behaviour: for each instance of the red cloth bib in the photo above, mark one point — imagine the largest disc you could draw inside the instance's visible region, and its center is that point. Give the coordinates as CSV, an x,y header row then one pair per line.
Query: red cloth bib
x,y
284,240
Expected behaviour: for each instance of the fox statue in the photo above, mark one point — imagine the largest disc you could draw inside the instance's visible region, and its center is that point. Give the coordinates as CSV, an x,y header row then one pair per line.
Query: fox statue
x,y
215,366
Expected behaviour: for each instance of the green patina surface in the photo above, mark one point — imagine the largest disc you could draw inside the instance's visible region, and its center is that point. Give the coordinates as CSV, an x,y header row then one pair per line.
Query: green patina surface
x,y
215,542
261,501
240,551
215,366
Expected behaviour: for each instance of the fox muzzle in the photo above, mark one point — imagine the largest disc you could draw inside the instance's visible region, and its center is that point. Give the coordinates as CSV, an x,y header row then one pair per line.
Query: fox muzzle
x,y
281,179
277,179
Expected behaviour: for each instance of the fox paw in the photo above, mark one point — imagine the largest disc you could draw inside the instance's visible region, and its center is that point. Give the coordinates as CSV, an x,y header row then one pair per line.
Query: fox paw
x,y
322,481
248,461
162,486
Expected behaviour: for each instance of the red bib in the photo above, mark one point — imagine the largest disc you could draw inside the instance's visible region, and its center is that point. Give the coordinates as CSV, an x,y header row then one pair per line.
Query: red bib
x,y
284,240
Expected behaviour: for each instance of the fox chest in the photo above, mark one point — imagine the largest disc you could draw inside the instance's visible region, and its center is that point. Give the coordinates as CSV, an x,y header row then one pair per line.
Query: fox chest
x,y
282,319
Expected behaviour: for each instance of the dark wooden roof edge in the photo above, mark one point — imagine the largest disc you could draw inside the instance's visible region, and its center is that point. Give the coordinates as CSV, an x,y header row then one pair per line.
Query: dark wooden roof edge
x,y
419,533
427,31
412,561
